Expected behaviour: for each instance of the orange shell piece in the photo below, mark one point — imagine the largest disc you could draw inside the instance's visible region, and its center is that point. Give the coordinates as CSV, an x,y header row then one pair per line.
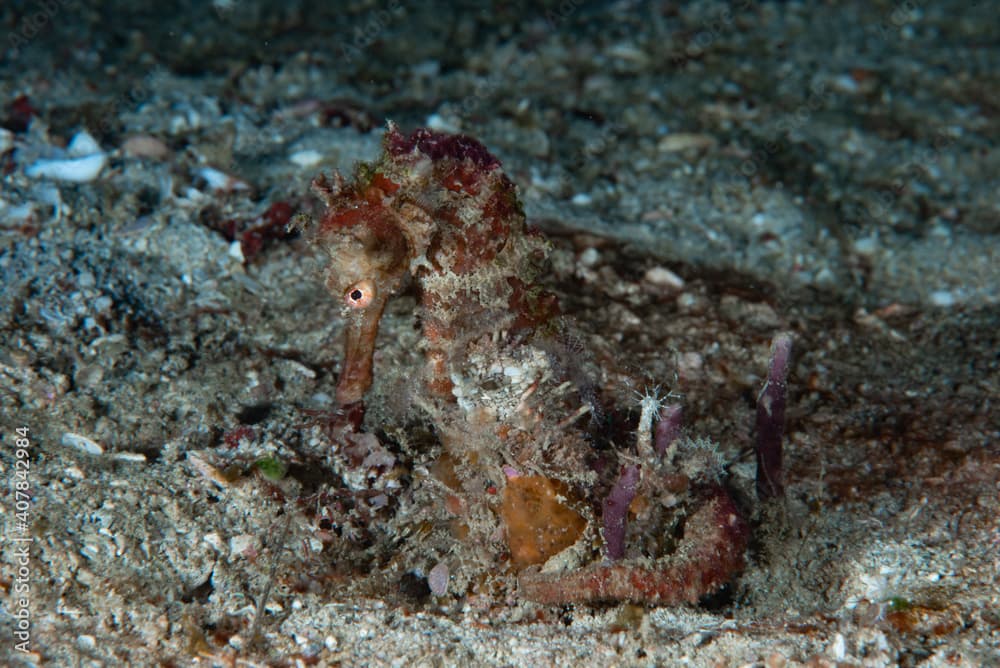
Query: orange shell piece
x,y
539,524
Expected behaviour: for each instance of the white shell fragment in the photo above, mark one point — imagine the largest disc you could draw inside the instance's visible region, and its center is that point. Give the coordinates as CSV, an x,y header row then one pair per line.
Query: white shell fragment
x,y
219,180
69,439
82,161
135,457
199,464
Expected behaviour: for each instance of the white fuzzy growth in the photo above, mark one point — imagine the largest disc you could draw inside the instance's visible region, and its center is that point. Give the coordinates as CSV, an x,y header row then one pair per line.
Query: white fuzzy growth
x,y
650,409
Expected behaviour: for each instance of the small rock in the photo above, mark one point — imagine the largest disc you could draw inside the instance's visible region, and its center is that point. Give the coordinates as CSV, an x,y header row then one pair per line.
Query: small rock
x,y
943,298
306,158
214,540
662,277
242,545
145,146
437,579
590,257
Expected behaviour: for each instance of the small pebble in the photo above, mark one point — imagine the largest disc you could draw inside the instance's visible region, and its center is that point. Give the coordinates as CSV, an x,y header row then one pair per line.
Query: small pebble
x,y
438,123
943,298
219,180
238,545
306,158
590,257
437,579
664,278
145,146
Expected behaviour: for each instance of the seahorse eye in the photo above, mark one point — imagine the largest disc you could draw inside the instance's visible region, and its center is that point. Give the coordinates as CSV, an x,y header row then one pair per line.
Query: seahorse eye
x,y
360,294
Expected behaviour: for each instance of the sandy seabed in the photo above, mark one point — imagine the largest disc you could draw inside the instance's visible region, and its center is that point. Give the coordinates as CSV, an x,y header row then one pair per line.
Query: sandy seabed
x,y
709,175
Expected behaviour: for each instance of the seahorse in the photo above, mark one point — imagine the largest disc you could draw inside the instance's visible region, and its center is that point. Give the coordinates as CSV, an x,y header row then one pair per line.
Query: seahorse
x,y
435,208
